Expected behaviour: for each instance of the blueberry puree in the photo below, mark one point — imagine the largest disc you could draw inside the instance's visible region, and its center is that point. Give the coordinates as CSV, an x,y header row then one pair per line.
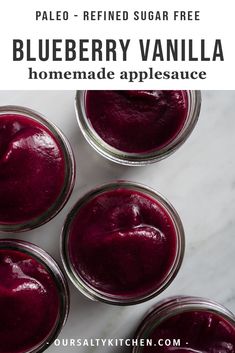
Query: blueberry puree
x,y
32,169
198,331
29,302
122,242
137,121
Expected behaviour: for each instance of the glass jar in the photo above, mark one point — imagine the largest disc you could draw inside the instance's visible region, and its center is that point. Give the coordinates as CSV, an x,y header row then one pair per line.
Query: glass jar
x,y
187,324
37,169
133,158
119,220
34,298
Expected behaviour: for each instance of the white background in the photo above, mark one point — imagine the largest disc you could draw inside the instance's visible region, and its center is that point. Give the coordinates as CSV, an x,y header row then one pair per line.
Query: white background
x,y
199,179
17,20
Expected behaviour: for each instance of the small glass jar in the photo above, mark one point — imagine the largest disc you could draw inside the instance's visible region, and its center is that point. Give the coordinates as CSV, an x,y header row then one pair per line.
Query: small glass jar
x,y
115,214
137,159
174,335
9,174
32,285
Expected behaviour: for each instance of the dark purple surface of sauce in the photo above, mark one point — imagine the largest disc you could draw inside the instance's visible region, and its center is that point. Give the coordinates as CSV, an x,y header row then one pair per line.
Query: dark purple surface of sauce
x,y
198,331
137,121
29,302
123,242
32,169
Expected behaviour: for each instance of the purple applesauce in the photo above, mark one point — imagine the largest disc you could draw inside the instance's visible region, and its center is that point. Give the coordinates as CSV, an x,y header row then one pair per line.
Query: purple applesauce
x,y
198,332
122,242
29,302
32,169
137,121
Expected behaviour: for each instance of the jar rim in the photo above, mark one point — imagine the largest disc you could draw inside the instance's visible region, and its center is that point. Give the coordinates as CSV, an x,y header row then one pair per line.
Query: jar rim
x,y
137,159
171,306
59,279
93,293
70,171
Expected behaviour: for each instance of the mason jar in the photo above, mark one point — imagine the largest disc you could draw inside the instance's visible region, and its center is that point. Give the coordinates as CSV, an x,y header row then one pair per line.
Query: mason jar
x,y
37,169
108,146
34,298
122,243
186,324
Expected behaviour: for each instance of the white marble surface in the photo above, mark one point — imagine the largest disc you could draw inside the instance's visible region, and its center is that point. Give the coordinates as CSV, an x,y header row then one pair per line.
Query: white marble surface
x,y
199,179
